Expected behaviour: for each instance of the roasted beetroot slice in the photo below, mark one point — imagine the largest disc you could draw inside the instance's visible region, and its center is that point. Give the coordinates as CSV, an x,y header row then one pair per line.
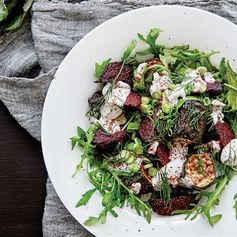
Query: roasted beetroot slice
x,y
133,101
146,130
224,133
214,89
112,70
104,141
162,154
96,97
184,202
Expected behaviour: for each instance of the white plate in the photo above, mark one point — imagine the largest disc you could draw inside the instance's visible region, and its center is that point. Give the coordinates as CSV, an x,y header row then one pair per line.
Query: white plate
x,y
66,106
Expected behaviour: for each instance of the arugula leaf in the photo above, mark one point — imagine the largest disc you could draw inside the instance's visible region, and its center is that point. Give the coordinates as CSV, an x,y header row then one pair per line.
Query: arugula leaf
x,y
151,41
231,95
167,59
235,205
86,197
88,147
99,68
222,67
206,207
127,53
91,221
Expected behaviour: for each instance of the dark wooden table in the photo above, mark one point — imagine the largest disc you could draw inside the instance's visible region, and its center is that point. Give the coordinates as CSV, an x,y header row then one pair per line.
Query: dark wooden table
x,y
22,180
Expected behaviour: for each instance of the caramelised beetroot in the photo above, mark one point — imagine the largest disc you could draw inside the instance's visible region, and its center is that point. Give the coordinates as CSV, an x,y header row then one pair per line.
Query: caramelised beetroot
x,y
97,96
224,133
214,89
162,154
104,141
146,130
112,70
183,202
133,101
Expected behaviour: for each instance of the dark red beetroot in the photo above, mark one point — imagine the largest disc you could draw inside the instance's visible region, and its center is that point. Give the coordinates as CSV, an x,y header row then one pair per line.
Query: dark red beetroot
x,y
146,130
162,153
184,202
97,96
224,133
104,141
215,88
133,101
112,70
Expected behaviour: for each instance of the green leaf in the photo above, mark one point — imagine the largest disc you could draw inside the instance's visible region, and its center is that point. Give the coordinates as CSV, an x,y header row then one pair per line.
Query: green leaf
x,y
80,132
3,11
85,197
222,67
99,68
91,221
106,199
231,95
74,141
145,52
151,41
214,219
127,53
167,60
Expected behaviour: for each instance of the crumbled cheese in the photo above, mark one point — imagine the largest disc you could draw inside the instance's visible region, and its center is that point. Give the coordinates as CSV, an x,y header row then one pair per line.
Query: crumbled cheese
x,y
140,71
112,125
110,111
173,96
199,85
217,115
208,77
136,187
229,153
119,94
153,147
146,197
159,83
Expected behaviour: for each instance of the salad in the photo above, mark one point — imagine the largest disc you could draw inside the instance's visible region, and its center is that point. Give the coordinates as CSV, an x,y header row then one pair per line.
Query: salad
x,y
163,132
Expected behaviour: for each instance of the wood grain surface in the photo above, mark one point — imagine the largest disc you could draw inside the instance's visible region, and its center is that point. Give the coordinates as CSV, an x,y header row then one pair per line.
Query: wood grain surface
x,y
22,180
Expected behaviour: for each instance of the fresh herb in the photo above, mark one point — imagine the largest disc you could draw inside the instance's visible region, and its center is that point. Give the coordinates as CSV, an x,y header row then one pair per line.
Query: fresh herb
x,y
127,53
114,194
99,68
166,122
230,82
200,164
85,143
151,41
212,200
165,189
86,197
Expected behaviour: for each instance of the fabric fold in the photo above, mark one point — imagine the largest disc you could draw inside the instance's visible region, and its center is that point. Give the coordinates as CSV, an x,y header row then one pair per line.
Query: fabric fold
x,y
30,55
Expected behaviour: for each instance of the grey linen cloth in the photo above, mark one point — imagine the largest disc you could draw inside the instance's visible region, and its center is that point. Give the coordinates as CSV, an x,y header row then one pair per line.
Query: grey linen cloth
x,y
30,55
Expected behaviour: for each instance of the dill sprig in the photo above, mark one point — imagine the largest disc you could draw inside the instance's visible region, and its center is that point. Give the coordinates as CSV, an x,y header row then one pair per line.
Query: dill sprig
x,y
165,189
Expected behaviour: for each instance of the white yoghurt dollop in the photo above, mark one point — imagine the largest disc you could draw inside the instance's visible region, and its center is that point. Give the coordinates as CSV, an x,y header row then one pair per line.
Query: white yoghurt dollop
x,y
159,83
217,107
229,153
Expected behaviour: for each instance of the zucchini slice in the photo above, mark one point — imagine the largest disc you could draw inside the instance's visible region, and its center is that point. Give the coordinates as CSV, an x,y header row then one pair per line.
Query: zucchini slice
x,y
200,169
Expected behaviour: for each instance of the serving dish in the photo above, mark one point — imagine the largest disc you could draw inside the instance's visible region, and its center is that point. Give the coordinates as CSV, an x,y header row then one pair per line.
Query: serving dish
x,y
66,106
